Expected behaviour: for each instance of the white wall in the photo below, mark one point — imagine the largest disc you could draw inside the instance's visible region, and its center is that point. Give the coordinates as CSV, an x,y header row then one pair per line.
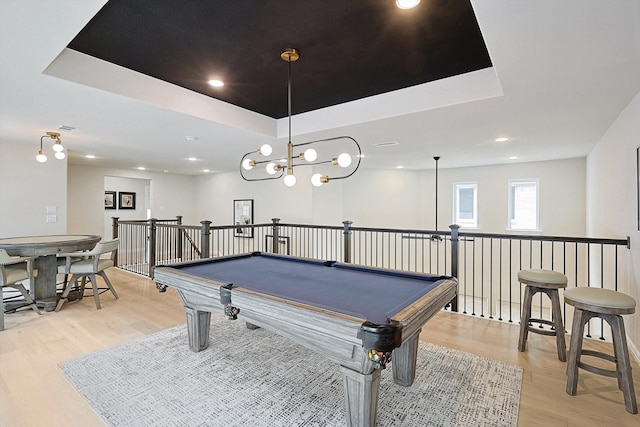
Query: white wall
x,y
171,195
131,185
215,195
27,188
612,186
383,199
402,198
561,189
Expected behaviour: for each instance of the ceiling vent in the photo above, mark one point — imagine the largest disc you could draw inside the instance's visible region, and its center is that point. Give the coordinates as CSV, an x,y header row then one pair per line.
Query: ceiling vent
x,y
63,128
385,144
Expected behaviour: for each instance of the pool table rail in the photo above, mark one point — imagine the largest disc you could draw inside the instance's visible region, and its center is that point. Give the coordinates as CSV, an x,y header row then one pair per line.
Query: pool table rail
x,y
196,292
416,314
333,335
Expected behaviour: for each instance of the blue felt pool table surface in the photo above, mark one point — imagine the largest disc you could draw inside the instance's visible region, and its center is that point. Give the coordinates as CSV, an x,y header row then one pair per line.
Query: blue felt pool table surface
x,y
369,293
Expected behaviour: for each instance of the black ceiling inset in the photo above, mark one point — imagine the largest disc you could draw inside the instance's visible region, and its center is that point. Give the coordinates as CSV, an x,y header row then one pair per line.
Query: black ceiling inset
x,y
349,49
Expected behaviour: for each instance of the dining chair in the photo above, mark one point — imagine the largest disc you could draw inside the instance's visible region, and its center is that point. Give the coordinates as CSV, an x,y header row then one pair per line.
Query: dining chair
x,y
85,265
13,271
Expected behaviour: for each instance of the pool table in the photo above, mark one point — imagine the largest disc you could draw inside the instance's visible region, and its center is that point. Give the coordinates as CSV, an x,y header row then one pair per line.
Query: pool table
x,y
360,317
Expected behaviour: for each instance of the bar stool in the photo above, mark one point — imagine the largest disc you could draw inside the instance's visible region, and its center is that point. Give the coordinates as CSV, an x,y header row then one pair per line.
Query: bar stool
x,y
548,282
608,305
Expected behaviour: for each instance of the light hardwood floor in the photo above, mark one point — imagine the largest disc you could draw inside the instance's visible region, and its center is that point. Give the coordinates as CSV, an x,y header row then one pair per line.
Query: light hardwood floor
x,y
34,393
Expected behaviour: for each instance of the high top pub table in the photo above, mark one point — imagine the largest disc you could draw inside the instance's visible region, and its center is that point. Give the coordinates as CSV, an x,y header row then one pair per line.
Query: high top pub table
x,y
45,248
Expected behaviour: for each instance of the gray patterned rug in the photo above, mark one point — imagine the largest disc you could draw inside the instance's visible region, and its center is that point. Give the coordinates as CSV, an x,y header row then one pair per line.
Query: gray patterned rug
x,y
257,378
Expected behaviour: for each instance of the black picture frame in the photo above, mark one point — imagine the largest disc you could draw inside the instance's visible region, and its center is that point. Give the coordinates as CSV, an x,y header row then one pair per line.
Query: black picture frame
x,y
243,216
126,200
109,199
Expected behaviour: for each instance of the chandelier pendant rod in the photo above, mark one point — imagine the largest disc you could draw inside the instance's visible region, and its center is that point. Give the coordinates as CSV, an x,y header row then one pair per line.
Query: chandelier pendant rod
x,y
289,145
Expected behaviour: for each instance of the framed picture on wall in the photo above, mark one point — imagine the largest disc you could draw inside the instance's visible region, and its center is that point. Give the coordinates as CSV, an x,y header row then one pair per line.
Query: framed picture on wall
x,y
109,199
127,200
243,216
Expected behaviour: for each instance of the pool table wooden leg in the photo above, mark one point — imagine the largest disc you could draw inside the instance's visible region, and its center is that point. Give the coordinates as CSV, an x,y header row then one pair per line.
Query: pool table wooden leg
x,y
403,361
198,324
361,397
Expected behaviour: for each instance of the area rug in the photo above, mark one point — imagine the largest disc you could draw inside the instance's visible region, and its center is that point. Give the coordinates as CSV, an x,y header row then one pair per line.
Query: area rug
x,y
257,378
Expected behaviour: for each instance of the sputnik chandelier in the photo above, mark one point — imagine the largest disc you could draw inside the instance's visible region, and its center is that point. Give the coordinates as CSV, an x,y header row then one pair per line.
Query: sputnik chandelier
x,y
57,147
276,168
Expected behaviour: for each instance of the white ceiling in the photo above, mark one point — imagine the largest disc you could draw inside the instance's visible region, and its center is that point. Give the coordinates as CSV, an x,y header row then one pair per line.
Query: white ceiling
x,y
563,71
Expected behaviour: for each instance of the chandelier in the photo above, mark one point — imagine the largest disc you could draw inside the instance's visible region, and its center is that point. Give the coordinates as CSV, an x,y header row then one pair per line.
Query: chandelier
x,y
313,153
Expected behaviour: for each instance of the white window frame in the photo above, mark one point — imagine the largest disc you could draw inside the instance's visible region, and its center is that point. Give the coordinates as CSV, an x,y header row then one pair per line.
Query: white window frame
x,y
512,224
465,223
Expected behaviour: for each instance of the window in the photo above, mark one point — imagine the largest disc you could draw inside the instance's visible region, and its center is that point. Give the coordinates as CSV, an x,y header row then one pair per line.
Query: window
x,y
465,209
523,204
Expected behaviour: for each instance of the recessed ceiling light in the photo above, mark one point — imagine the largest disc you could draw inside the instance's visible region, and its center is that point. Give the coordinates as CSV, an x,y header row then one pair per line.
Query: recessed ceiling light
x,y
192,159
400,167
407,4
206,170
512,157
90,156
216,83
140,168
502,139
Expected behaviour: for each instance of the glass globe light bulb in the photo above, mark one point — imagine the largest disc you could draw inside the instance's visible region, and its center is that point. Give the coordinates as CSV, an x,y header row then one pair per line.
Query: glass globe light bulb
x,y
316,180
344,160
310,155
60,155
271,168
247,164
289,180
41,158
57,147
266,150
407,4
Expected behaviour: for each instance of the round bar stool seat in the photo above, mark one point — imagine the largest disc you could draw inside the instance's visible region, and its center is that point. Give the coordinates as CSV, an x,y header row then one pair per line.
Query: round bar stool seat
x,y
547,282
608,305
